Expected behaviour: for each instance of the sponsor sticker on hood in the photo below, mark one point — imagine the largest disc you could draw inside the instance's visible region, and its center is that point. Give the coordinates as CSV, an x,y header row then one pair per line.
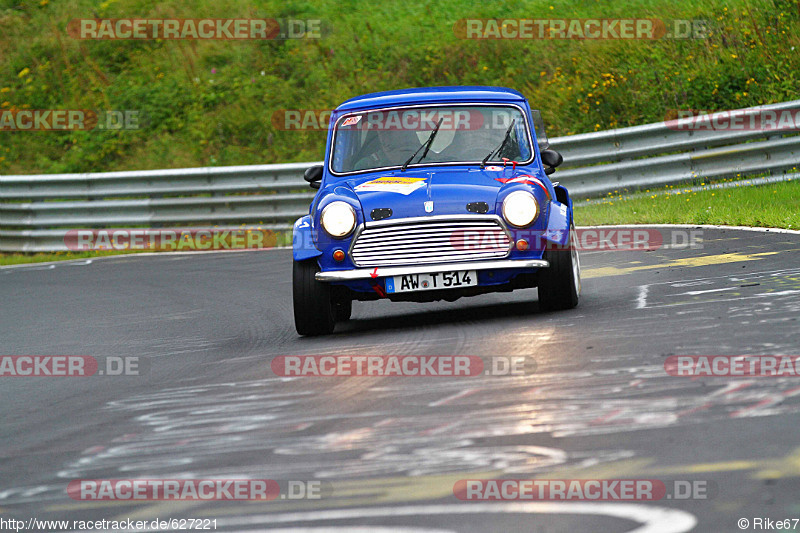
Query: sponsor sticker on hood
x,y
392,184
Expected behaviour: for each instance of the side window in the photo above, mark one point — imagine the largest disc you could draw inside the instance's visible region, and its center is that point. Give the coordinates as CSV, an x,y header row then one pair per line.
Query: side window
x,y
342,153
348,142
538,127
521,148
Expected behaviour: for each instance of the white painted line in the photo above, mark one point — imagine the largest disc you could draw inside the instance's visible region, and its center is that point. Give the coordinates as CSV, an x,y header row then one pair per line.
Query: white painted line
x,y
142,254
452,397
696,226
651,519
735,278
779,293
34,266
349,529
730,299
695,293
641,300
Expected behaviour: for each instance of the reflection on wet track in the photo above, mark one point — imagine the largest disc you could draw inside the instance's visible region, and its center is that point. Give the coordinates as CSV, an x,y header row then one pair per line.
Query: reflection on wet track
x,y
598,405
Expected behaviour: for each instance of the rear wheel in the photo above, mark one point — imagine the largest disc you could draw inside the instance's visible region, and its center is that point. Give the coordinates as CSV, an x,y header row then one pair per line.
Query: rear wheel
x,y
560,284
314,312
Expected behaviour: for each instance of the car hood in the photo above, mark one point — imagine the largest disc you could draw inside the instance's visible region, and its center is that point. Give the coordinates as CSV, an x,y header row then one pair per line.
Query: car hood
x,y
450,190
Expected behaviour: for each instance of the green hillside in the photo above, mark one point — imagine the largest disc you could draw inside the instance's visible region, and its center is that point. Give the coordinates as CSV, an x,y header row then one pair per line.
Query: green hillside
x,y
212,102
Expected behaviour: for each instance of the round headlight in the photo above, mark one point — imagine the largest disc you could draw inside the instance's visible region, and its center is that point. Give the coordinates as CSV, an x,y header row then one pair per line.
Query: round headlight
x,y
338,219
520,208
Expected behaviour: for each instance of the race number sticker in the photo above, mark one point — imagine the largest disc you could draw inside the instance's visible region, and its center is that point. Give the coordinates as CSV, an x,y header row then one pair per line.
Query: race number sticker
x,y
392,184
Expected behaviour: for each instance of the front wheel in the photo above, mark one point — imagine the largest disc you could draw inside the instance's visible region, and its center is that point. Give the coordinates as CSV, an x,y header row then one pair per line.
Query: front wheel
x,y
314,312
560,284
343,309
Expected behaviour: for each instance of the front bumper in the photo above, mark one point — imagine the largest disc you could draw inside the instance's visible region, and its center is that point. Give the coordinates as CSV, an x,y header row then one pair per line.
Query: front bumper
x,y
382,272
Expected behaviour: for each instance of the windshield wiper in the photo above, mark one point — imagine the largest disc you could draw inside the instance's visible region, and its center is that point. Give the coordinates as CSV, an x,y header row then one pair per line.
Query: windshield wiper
x,y
426,145
502,145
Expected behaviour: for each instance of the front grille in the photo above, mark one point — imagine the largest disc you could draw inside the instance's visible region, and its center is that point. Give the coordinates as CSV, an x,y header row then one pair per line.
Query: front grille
x,y
431,241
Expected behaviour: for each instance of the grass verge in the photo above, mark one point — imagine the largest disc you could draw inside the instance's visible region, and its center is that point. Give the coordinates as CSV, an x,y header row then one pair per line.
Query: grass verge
x,y
46,257
773,206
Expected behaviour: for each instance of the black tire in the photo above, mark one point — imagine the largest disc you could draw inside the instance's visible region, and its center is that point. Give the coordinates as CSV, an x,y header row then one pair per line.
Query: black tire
x,y
313,306
343,309
560,284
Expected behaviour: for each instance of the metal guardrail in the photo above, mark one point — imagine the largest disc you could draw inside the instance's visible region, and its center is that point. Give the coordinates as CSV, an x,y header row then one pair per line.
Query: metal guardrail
x,y
37,211
656,139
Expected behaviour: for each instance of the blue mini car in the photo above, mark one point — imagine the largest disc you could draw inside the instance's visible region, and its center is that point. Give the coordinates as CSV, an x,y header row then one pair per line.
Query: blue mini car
x,y
430,194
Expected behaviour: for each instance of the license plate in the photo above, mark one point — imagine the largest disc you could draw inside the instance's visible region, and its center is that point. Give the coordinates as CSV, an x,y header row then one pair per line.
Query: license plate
x,y
430,282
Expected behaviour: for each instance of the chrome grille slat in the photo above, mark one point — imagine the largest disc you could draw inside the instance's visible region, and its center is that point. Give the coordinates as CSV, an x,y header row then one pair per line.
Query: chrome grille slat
x,y
433,223
430,241
384,236
436,224
381,232
432,251
417,261
375,233
406,241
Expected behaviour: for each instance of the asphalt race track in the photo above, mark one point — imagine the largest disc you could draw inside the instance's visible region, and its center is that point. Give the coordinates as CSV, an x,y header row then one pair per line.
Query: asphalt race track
x,y
597,402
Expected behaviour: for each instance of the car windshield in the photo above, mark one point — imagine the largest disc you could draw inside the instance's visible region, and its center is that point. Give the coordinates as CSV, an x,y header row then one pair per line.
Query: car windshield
x,y
467,134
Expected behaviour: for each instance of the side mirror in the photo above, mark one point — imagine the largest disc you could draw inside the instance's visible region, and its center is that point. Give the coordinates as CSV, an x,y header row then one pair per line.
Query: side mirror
x,y
313,175
551,159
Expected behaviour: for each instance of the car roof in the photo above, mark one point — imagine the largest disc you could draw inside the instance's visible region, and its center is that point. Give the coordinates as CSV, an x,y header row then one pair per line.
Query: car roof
x,y
455,94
